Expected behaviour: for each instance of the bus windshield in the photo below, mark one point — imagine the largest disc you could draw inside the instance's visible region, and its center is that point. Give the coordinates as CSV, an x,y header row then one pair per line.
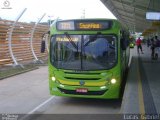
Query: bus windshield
x,y
83,52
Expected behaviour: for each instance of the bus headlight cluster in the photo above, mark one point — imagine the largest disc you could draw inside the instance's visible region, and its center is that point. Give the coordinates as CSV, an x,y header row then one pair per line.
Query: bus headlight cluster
x,y
113,81
53,79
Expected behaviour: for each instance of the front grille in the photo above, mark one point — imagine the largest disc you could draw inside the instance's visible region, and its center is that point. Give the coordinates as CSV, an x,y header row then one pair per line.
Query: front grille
x,y
87,73
75,78
82,76
73,92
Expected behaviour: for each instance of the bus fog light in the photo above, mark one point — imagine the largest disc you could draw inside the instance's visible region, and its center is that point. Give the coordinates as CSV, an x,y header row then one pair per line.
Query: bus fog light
x,y
113,81
61,85
53,79
103,87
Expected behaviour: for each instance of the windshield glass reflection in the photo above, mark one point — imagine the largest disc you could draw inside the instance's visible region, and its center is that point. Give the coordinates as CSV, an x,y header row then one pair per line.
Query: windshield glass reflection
x,y
83,52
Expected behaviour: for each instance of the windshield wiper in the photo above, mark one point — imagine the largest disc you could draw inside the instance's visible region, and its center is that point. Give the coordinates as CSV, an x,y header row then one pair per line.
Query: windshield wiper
x,y
71,41
92,38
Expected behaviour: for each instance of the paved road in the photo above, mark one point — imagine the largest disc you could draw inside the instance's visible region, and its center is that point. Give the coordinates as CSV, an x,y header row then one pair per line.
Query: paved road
x,y
28,93
22,93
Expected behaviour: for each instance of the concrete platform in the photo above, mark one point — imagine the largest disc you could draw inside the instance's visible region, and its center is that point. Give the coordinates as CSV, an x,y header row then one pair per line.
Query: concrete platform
x,y
142,91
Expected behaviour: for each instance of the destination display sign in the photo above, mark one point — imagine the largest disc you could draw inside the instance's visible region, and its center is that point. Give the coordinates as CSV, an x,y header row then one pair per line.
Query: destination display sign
x,y
65,25
84,25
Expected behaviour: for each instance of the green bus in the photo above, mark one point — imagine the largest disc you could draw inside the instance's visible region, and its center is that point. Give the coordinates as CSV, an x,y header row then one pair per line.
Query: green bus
x,y
87,58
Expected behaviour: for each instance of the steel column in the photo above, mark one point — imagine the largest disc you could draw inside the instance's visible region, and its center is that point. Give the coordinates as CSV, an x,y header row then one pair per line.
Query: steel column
x,y
31,38
10,37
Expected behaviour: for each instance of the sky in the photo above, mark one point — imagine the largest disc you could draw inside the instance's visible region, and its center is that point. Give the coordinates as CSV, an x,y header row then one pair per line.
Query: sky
x,y
62,9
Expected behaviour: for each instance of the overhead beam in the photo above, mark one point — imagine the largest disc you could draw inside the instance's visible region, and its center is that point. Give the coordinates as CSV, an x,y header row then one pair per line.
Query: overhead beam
x,y
130,12
138,6
137,14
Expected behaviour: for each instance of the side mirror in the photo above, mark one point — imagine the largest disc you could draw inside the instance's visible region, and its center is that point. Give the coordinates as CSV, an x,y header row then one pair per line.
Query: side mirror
x,y
123,44
43,46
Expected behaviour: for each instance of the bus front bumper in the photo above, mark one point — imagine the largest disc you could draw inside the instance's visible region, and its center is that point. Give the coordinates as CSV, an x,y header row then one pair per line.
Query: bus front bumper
x,y
103,92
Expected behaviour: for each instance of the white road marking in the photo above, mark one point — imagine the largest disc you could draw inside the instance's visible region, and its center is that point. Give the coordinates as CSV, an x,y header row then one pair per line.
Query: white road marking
x,y
39,106
35,109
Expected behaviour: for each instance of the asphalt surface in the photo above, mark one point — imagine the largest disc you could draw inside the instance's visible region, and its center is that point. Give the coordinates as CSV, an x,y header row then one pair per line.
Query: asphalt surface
x,y
28,93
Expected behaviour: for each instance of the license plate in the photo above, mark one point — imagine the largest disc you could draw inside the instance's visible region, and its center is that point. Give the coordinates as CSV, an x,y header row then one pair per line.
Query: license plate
x,y
81,90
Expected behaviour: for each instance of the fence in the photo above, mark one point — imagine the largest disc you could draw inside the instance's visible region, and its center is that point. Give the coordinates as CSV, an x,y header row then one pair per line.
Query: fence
x,y
24,46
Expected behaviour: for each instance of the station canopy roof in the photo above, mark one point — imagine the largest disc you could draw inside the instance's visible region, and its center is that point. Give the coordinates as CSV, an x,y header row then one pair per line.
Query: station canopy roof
x,y
132,13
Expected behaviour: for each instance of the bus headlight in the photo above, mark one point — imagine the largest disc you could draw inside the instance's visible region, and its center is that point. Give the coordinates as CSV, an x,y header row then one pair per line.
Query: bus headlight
x,y
53,79
113,81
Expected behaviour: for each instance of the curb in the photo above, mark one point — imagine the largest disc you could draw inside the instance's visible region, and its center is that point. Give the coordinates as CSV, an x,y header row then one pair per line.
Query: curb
x,y
1,78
